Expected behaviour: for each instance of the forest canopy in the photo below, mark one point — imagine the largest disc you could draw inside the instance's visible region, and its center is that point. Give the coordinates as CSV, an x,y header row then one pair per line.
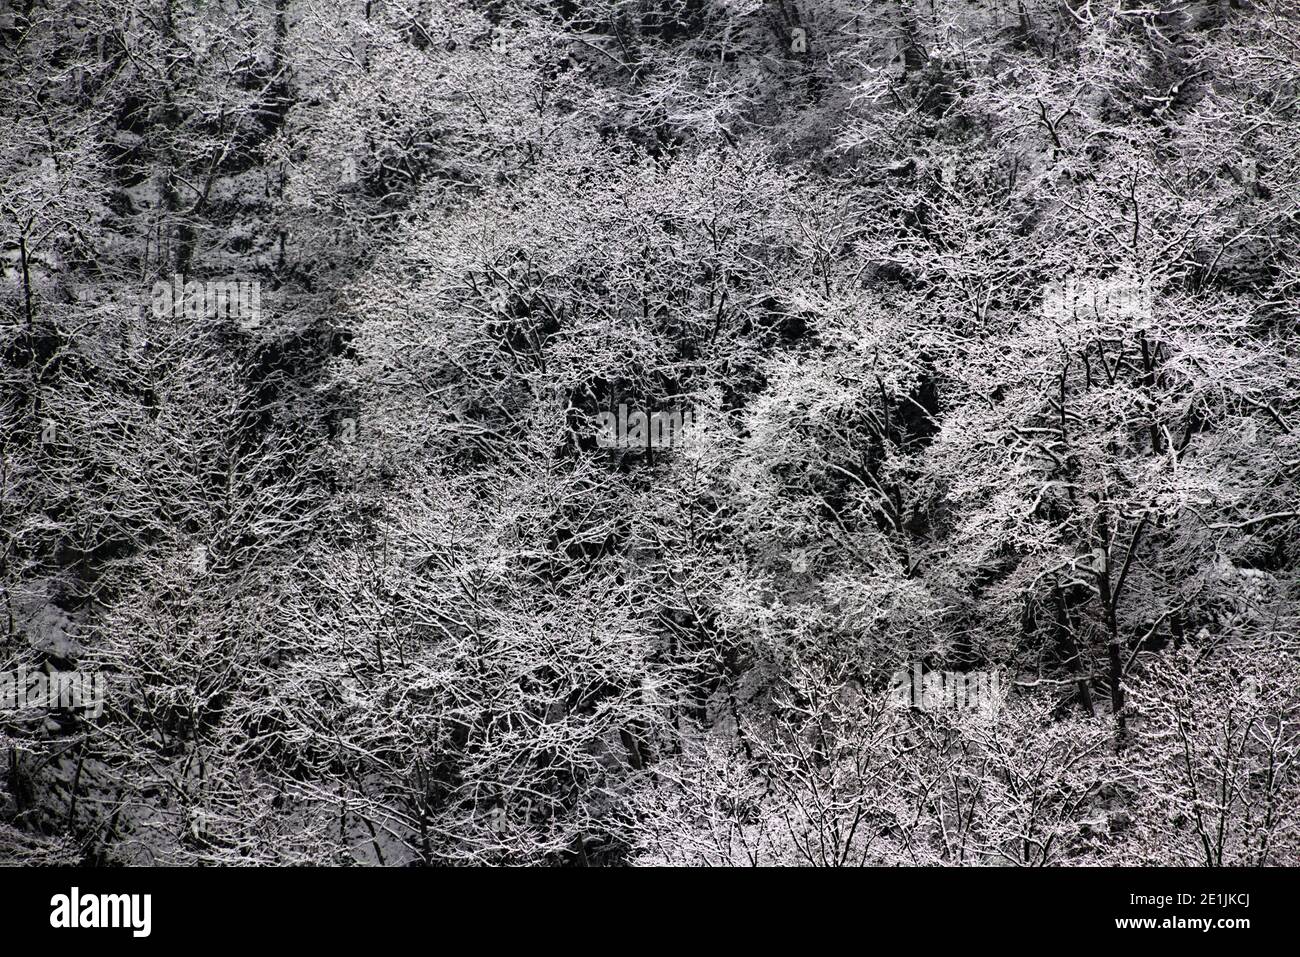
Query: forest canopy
x,y
801,432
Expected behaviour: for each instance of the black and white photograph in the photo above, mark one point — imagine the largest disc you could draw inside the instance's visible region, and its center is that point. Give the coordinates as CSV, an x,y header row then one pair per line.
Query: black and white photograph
x,y
647,434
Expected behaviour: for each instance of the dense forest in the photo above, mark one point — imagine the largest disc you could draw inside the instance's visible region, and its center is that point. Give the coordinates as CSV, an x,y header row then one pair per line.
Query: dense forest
x,y
637,432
